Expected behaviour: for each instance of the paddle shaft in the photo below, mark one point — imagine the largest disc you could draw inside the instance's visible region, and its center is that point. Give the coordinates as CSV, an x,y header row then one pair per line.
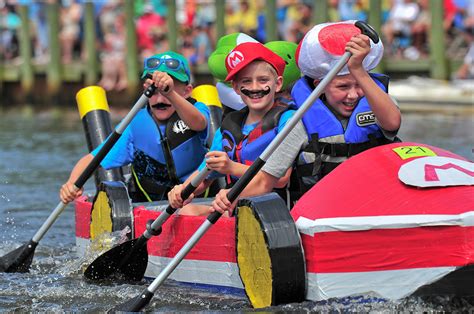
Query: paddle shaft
x,y
143,299
185,193
95,162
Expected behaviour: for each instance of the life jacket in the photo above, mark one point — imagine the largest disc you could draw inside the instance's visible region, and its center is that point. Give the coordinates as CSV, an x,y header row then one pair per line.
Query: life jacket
x,y
156,171
329,143
246,148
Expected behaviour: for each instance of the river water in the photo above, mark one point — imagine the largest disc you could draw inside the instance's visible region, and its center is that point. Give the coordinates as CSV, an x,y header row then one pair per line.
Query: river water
x,y
37,151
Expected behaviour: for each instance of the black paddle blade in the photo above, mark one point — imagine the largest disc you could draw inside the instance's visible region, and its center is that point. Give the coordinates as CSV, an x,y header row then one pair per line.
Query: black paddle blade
x,y
134,305
19,260
125,262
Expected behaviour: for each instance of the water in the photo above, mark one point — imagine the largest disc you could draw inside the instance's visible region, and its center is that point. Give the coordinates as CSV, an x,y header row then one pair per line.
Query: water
x,y
37,151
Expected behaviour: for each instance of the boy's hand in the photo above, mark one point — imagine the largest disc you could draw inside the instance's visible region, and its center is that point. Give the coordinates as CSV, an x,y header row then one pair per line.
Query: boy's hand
x,y
359,47
163,82
219,161
222,204
174,197
69,192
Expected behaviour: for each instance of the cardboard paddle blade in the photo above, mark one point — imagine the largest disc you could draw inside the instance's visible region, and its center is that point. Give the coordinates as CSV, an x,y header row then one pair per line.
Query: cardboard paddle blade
x,y
125,262
18,260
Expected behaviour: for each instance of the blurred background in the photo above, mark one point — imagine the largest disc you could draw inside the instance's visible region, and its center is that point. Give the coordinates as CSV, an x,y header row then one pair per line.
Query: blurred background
x,y
50,49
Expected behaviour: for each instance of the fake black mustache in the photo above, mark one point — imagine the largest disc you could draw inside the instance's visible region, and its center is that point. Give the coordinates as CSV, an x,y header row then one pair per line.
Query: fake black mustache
x,y
160,105
260,93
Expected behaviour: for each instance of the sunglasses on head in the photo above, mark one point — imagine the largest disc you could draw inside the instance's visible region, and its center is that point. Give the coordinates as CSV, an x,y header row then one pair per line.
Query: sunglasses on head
x,y
153,63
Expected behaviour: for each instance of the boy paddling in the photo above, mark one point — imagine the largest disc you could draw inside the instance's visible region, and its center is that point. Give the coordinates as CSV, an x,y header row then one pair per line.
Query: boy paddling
x,y
165,142
330,132
256,75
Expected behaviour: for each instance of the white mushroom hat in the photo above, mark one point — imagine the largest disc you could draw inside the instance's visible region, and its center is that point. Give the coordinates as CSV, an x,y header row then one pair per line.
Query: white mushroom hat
x,y
322,47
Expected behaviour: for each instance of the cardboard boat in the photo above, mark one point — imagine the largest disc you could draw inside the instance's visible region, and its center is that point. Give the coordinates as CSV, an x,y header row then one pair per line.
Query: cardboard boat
x,y
393,221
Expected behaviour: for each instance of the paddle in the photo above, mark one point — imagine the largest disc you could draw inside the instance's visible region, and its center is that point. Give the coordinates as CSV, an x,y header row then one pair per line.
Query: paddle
x,y
139,302
19,260
128,261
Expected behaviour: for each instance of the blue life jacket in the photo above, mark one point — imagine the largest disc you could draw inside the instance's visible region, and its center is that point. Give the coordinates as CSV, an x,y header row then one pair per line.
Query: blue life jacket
x,y
328,140
246,148
158,170
320,120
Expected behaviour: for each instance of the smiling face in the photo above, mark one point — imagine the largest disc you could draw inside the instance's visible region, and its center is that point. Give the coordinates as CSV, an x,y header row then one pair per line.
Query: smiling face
x,y
161,107
343,94
257,84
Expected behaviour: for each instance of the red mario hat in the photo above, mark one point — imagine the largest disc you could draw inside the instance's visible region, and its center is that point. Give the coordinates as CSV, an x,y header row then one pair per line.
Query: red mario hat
x,y
247,52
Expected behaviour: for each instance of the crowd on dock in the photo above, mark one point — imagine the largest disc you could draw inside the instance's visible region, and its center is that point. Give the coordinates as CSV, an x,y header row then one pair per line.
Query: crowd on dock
x,y
405,28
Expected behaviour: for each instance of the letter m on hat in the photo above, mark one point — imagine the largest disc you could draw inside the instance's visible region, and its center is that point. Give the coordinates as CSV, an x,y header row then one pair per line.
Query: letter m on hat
x,y
234,58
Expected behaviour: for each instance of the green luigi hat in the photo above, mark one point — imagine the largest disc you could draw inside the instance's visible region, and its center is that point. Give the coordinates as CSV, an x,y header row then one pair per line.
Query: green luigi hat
x,y
286,50
170,62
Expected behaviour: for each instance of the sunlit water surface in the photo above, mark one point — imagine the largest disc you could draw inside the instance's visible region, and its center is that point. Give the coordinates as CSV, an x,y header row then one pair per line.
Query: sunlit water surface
x,y
38,151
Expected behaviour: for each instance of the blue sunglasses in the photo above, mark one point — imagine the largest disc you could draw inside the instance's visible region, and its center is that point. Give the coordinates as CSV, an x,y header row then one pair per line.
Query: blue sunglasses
x,y
153,63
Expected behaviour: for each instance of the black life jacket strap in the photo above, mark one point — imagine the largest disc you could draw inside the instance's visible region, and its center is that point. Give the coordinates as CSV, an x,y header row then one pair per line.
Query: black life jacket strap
x,y
165,146
350,149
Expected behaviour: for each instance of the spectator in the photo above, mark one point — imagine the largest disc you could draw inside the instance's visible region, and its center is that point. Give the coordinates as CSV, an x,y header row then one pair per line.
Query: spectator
x,y
114,75
422,24
419,30
398,26
333,11
9,23
232,22
303,24
291,16
282,16
186,47
351,10
248,18
151,32
201,43
70,17
40,25
466,71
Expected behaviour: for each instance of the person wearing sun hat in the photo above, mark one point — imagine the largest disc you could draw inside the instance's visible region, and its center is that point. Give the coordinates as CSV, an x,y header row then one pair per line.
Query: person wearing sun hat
x,y
256,75
353,114
165,142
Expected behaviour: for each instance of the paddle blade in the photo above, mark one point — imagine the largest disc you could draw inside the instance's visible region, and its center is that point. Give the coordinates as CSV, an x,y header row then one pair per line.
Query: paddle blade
x,y
134,305
18,260
125,262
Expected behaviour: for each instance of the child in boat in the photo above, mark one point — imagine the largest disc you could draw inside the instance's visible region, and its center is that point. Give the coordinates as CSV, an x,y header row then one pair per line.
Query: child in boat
x,y
353,114
256,75
165,142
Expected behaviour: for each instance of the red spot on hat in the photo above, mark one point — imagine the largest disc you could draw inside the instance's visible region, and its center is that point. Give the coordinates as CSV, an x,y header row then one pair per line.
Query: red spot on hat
x,y
333,38
298,50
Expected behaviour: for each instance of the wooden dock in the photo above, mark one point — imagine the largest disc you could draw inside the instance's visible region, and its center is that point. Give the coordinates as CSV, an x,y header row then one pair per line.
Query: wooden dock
x,y
56,84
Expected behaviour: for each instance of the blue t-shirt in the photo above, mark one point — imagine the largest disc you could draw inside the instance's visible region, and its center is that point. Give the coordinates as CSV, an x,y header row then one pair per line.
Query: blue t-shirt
x,y
246,129
142,134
